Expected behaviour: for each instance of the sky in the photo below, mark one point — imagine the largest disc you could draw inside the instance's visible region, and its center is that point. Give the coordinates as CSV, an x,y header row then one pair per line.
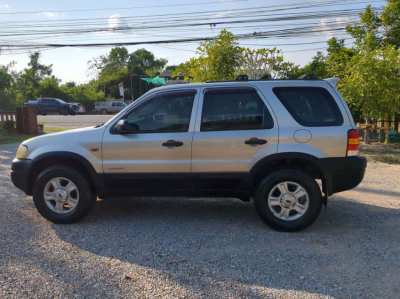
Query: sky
x,y
71,64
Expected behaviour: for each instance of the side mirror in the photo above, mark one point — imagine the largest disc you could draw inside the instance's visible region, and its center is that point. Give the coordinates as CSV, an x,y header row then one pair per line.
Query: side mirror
x,y
123,127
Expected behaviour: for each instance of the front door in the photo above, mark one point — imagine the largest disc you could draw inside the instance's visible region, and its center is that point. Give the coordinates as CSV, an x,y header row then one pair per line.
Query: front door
x,y
234,129
156,156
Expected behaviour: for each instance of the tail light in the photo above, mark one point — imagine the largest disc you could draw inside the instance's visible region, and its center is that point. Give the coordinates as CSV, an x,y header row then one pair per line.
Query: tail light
x,y
353,142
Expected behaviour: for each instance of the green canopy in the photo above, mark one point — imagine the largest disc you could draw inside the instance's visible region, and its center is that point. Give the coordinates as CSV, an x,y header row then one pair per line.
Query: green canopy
x,y
155,80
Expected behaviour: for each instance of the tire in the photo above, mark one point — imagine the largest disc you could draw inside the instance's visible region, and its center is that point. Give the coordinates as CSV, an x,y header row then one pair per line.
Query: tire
x,y
104,111
83,191
270,202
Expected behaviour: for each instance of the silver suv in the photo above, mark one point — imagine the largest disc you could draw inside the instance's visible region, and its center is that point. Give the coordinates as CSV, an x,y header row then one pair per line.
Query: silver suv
x,y
287,145
110,106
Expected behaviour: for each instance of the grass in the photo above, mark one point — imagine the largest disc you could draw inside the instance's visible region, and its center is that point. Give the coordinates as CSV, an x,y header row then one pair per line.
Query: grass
x,y
13,137
387,153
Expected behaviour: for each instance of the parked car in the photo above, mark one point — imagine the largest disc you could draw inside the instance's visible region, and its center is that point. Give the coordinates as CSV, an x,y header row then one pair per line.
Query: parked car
x,y
79,108
52,106
288,145
108,107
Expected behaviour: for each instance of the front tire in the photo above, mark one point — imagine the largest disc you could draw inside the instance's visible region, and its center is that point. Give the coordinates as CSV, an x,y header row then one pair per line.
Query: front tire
x,y
288,200
62,195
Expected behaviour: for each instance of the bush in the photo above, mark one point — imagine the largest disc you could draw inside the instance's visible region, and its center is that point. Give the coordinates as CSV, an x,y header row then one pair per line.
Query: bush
x,y
8,125
393,137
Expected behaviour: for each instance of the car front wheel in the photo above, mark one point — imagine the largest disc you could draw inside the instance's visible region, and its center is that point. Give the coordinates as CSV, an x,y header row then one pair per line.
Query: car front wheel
x,y
288,200
62,195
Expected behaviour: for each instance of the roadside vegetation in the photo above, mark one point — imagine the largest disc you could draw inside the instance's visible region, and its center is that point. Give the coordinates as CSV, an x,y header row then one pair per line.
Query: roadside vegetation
x,y
8,137
387,153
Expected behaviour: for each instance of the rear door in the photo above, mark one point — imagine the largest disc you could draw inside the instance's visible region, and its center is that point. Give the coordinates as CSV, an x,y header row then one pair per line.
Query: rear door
x,y
234,129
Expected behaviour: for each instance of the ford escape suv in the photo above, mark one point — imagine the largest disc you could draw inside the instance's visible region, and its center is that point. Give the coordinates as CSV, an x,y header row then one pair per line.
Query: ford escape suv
x,y
288,145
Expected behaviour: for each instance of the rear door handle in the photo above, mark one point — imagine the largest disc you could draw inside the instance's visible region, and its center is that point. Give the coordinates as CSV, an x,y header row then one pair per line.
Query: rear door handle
x,y
255,141
172,143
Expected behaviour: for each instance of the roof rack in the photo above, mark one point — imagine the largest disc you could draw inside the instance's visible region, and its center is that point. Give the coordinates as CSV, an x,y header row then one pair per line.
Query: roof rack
x,y
246,78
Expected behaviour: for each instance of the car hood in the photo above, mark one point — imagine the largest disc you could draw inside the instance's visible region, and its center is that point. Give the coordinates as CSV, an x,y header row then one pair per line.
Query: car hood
x,y
76,140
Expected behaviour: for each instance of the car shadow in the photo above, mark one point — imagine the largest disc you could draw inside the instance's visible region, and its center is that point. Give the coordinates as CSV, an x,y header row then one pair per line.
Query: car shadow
x,y
222,241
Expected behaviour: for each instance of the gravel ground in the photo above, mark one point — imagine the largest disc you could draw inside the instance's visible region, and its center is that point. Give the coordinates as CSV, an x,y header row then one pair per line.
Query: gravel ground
x,y
174,248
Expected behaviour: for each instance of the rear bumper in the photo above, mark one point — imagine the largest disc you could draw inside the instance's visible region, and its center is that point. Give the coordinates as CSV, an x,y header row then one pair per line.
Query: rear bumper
x,y
343,173
20,170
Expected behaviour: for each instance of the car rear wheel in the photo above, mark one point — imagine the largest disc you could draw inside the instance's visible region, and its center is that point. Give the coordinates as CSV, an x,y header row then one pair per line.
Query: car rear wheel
x,y
288,200
62,195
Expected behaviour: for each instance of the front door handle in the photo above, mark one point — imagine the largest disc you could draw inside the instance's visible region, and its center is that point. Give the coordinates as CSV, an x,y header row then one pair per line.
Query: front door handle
x,y
172,143
255,141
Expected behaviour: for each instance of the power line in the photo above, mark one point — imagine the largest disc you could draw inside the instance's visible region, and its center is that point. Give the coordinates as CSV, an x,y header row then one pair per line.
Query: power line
x,y
296,16
33,12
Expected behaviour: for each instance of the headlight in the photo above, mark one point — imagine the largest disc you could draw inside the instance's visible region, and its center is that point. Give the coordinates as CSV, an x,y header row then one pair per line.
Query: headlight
x,y
22,152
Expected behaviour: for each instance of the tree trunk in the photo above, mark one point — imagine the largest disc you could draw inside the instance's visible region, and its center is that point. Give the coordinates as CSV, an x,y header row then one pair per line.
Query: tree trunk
x,y
396,123
366,136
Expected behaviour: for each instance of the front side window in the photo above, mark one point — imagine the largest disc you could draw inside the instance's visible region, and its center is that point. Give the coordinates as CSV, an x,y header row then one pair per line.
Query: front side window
x,y
49,102
234,109
169,112
310,106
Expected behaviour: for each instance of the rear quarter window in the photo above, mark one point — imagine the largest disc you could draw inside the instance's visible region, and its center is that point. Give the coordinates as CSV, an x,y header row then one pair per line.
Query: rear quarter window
x,y
310,106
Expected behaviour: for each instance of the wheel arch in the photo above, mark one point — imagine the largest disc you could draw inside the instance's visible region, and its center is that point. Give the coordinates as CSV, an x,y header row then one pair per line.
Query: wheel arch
x,y
301,161
68,159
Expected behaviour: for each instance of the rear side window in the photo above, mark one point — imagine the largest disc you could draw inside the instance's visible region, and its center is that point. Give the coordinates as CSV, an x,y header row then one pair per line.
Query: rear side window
x,y
310,106
234,109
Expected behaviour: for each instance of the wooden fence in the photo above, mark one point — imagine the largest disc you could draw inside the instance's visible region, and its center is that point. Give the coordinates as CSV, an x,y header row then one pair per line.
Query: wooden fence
x,y
24,119
8,116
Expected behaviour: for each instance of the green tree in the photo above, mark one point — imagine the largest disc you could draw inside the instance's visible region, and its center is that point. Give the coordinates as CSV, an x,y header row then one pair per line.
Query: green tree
x,y
262,63
143,62
372,83
85,94
338,58
220,57
391,23
317,68
28,81
7,89
50,87
366,33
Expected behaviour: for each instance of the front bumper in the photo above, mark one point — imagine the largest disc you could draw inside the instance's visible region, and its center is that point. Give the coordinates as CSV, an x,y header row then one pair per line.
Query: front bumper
x,y
343,173
20,171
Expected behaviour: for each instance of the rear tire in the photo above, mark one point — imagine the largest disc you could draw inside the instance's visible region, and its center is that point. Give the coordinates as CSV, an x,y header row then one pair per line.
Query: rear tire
x,y
81,195
288,200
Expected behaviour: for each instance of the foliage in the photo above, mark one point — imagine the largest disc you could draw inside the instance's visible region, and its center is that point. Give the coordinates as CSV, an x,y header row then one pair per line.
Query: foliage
x,y
317,68
262,63
218,59
7,89
366,33
372,82
338,58
391,23
28,82
8,125
85,94
143,62
223,59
